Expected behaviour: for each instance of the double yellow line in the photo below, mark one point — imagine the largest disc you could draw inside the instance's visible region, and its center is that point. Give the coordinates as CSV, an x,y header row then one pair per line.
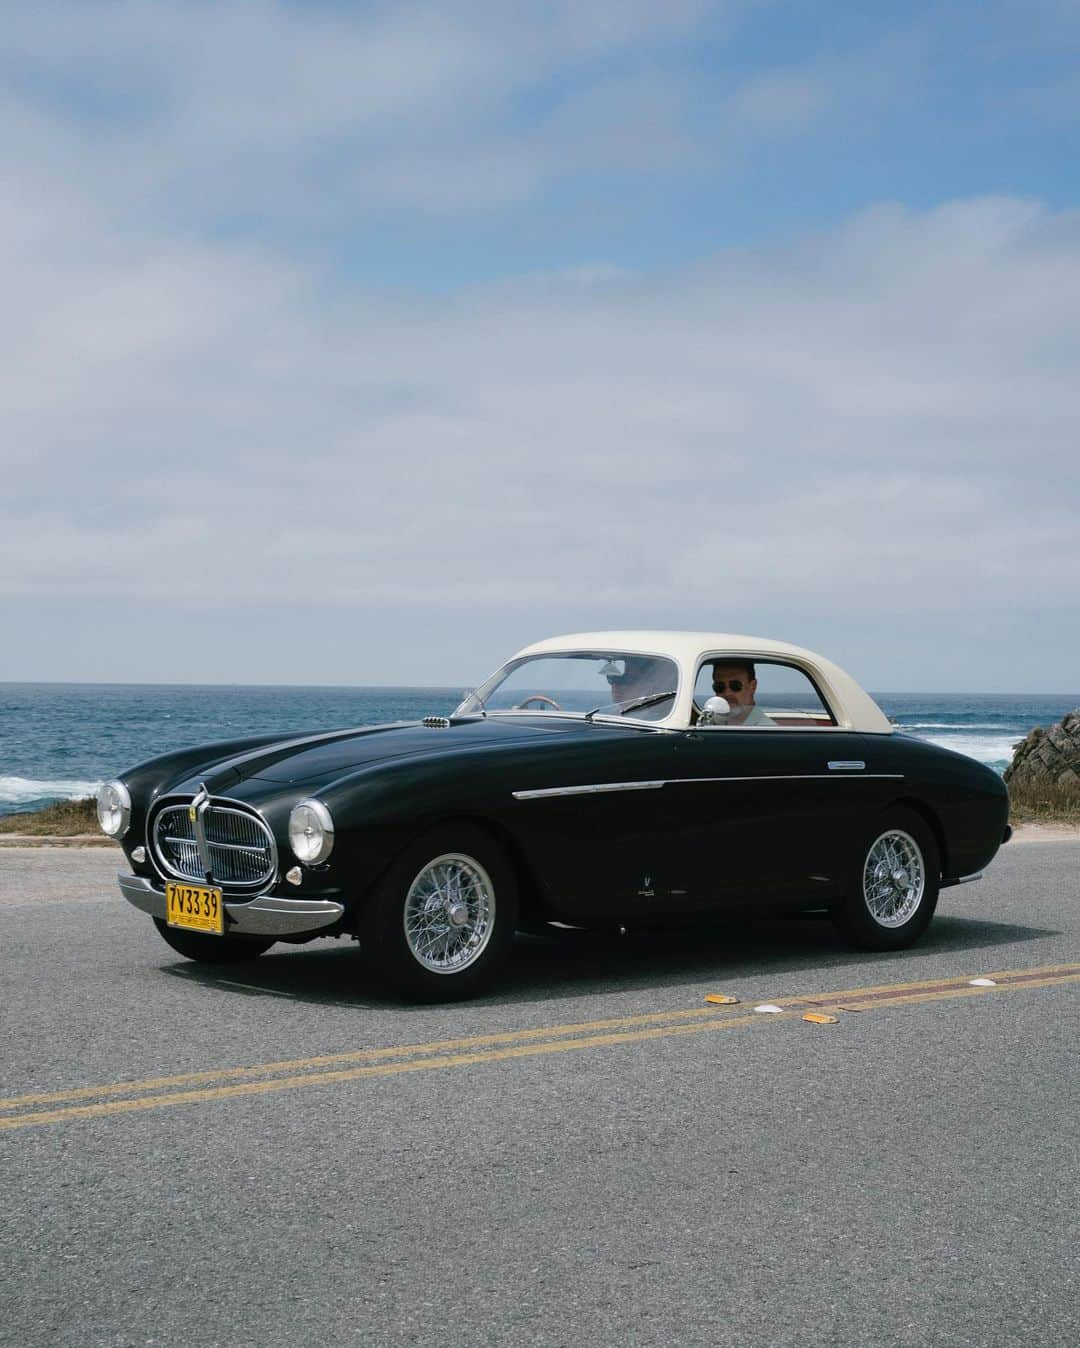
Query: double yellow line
x,y
190,1088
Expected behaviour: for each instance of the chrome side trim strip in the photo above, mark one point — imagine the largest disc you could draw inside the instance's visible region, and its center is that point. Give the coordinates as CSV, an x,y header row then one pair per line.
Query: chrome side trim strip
x,y
845,765
591,790
693,781
266,916
789,777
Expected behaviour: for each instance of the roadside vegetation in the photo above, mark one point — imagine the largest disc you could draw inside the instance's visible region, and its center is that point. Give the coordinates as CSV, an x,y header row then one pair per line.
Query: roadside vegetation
x,y
62,819
1047,803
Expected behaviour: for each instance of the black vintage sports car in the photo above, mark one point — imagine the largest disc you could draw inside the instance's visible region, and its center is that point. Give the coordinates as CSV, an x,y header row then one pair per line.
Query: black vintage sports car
x,y
606,778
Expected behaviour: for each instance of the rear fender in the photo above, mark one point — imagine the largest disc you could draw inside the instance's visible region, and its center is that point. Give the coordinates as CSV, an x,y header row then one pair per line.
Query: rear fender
x,y
932,822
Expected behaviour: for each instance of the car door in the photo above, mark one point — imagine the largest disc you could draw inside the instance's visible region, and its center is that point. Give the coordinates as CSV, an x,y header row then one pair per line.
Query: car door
x,y
760,801
596,829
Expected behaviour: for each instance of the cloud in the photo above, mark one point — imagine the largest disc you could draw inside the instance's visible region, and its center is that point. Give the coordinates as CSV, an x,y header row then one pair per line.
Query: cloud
x,y
195,109
778,103
884,414
206,409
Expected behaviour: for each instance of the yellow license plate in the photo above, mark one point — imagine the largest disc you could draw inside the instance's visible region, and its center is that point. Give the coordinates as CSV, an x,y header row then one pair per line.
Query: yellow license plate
x,y
196,907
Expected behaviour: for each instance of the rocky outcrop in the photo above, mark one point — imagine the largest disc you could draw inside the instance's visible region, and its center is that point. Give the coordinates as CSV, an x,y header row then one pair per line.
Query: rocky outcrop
x,y
1049,757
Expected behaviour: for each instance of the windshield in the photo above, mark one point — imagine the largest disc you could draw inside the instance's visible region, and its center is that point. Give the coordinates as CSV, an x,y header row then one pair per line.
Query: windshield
x,y
610,683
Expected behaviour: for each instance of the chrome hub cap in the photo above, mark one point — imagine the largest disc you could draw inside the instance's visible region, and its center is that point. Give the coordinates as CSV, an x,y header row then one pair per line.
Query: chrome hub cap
x,y
449,913
893,878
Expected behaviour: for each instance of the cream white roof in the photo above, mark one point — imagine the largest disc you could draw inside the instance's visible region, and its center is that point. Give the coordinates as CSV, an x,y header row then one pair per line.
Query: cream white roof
x,y
854,709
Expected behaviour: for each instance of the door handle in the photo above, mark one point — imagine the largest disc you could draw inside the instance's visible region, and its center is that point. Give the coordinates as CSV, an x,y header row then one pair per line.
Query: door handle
x,y
846,765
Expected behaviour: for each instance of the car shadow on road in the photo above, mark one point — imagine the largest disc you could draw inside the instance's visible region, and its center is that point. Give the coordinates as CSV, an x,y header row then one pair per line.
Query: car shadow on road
x,y
556,963
581,962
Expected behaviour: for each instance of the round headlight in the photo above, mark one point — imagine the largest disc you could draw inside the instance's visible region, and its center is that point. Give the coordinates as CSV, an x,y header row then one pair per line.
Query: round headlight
x,y
114,809
311,832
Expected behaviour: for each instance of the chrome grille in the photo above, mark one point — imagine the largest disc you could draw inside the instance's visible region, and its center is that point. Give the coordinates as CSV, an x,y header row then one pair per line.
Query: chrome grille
x,y
242,851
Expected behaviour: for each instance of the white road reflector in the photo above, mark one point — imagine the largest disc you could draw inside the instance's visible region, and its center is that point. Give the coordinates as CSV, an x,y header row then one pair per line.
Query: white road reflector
x,y
982,982
721,999
817,1018
769,1009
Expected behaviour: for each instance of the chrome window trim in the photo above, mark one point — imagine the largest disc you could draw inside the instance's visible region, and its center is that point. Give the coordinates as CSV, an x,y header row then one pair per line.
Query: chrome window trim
x,y
598,787
226,806
698,729
605,718
566,652
804,667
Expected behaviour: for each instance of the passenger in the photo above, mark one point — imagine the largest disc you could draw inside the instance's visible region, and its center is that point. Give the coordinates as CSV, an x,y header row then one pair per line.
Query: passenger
x,y
641,677
736,680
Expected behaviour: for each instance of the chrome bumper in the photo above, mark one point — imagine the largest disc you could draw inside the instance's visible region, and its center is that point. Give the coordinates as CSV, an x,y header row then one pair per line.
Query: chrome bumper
x,y
265,916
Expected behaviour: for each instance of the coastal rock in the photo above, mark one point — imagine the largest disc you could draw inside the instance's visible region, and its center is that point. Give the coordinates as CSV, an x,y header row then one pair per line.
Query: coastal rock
x,y
1048,757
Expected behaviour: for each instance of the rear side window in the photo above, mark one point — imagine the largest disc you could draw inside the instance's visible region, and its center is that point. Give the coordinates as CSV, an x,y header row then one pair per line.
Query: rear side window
x,y
762,694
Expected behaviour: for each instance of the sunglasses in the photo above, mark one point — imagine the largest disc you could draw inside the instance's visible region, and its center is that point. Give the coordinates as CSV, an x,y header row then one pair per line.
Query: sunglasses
x,y
736,685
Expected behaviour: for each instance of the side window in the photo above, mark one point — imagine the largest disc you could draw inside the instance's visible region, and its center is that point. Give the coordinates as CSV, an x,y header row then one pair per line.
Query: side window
x,y
762,694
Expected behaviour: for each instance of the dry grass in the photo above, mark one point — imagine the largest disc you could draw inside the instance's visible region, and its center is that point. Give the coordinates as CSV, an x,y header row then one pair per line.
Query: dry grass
x,y
1044,804
60,820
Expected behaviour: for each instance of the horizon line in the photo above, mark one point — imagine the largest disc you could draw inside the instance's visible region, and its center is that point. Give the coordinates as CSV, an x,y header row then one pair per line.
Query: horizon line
x,y
455,686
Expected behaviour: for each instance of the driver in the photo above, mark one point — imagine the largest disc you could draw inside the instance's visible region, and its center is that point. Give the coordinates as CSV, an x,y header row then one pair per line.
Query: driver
x,y
737,681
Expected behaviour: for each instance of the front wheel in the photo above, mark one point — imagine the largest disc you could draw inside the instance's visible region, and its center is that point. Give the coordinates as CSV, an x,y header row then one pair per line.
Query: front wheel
x,y
207,949
443,918
893,883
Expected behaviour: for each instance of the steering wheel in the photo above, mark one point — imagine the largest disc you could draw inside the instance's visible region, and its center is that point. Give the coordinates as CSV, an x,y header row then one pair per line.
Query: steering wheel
x,y
538,697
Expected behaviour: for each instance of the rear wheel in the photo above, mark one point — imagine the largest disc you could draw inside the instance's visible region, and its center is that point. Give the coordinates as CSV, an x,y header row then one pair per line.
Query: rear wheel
x,y
893,883
443,919
205,949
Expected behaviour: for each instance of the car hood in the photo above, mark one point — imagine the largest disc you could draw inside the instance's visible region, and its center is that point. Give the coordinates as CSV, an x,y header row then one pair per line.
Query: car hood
x,y
324,758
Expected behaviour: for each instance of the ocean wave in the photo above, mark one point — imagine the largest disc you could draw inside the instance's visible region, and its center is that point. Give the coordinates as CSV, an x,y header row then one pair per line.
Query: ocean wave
x,y
1002,727
995,751
23,791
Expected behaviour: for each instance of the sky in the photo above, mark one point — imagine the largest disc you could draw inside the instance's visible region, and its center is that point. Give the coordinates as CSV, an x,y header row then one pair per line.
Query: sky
x,y
365,343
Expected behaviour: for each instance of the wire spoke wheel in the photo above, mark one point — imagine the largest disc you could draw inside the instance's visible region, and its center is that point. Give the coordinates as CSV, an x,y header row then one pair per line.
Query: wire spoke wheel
x,y
449,913
893,878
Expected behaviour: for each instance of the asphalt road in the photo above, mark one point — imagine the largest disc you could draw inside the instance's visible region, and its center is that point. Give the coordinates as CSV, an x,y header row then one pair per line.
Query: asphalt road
x,y
909,1175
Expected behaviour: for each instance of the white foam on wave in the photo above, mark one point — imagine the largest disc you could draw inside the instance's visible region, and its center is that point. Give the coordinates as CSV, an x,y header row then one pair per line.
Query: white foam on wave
x,y
989,749
958,725
22,790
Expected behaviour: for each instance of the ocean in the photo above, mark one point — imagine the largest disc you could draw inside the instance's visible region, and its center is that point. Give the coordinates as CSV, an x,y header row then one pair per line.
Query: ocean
x,y
59,741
